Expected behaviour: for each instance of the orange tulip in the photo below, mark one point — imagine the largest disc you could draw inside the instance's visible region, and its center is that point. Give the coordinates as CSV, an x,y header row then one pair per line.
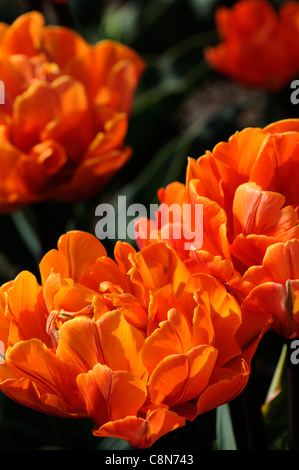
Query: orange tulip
x,y
138,343
66,111
258,47
248,189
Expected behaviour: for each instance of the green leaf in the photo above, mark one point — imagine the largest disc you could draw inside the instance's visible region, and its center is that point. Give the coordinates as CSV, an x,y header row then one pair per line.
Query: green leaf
x,y
225,439
276,383
113,443
27,234
275,408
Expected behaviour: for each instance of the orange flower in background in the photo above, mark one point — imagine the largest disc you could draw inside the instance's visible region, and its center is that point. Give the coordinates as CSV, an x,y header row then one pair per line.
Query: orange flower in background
x,y
248,189
259,47
138,343
66,111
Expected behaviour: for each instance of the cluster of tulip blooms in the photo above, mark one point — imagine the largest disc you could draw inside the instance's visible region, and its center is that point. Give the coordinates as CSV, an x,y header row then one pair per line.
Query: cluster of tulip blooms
x,y
157,335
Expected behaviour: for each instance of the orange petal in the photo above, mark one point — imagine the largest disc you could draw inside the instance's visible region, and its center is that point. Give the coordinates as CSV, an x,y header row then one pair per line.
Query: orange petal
x,y
131,308
206,177
71,93
122,251
62,45
63,128
4,323
280,263
226,385
225,316
174,193
214,227
265,303
172,337
49,155
53,380
283,125
158,265
122,84
182,377
76,254
276,169
203,262
91,175
96,69
139,432
105,270
23,36
121,344
32,111
160,303
78,343
260,212
66,295
111,340
239,154
111,395
25,392
250,251
26,310
109,137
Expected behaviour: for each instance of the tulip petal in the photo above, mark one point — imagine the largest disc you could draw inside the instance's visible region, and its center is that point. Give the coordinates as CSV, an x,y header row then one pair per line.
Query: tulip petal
x,y
50,376
25,392
227,384
112,341
276,169
158,265
269,299
62,45
32,111
261,212
23,35
111,395
139,432
279,264
225,315
76,254
26,310
172,337
182,377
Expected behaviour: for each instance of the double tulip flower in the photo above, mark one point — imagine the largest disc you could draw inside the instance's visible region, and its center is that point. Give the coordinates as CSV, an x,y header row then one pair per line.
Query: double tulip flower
x,y
65,117
137,343
248,188
258,45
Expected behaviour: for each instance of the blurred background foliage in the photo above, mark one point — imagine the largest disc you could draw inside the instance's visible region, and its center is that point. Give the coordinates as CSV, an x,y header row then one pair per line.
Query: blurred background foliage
x,y
182,108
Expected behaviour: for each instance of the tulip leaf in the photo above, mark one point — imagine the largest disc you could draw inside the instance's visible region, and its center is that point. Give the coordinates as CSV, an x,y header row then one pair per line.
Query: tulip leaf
x,y
276,403
27,234
276,383
225,439
113,443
